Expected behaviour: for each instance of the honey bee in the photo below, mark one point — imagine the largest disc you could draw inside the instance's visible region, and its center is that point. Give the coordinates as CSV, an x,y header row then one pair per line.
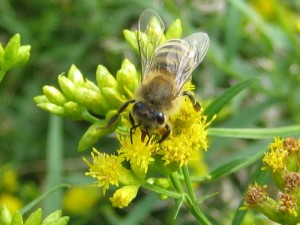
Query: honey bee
x,y
166,67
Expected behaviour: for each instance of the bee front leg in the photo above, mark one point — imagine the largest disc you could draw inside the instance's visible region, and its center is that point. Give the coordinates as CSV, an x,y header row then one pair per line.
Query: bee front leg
x,y
115,117
196,104
134,126
166,134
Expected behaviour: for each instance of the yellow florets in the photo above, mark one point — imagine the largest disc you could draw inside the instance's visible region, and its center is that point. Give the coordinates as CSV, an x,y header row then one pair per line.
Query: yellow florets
x,y
105,168
139,153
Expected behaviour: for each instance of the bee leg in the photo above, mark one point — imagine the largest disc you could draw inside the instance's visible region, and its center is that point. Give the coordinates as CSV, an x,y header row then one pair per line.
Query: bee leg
x,y
166,134
196,104
115,117
144,133
134,126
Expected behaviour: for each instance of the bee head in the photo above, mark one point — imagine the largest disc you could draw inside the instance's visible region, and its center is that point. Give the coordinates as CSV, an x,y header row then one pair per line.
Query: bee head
x,y
147,117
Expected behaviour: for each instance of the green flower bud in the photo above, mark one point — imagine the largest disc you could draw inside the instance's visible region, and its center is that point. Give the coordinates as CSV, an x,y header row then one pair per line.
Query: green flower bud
x,y
92,135
131,38
11,50
54,95
76,112
15,54
35,218
52,217
5,215
16,219
162,182
112,96
61,221
50,107
104,78
174,30
41,99
91,85
23,55
67,87
127,78
75,76
92,100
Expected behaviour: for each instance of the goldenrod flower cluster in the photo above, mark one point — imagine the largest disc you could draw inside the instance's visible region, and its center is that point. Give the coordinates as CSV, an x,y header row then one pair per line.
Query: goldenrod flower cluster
x,y
129,167
283,163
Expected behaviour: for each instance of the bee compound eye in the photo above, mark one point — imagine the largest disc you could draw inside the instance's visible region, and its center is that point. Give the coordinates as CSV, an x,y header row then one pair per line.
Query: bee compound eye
x,y
160,118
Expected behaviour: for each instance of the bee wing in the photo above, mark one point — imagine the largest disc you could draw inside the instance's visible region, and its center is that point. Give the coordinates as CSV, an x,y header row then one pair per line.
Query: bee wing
x,y
150,33
198,44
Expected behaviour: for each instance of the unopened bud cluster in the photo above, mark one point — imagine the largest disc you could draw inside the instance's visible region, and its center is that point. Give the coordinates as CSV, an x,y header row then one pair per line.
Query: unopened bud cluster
x,y
35,218
283,163
80,99
13,55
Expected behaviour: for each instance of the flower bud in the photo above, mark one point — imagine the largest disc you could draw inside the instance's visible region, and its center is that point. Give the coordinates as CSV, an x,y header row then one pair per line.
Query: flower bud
x,y
17,219
73,110
155,29
41,99
112,96
54,95
23,55
15,54
174,30
124,195
50,107
12,49
131,38
104,78
92,135
90,85
56,218
127,78
5,215
92,100
34,218
67,87
75,76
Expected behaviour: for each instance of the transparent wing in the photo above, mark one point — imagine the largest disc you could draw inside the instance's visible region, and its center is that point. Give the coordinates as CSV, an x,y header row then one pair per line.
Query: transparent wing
x,y
197,46
150,33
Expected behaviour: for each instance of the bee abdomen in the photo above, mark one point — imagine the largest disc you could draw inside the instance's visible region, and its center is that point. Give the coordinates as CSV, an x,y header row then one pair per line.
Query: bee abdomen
x,y
172,56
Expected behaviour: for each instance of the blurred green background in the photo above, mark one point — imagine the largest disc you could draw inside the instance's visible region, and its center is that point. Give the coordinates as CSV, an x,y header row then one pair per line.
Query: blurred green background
x,y
248,39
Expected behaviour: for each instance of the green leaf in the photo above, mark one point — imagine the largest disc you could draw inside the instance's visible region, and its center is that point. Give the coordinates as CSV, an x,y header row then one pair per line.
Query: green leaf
x,y
255,133
52,217
61,221
216,106
37,200
232,166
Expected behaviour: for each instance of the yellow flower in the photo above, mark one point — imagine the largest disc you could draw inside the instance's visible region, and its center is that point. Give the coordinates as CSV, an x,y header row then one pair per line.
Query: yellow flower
x,y
12,202
188,134
80,200
277,144
275,159
139,153
107,169
9,178
124,195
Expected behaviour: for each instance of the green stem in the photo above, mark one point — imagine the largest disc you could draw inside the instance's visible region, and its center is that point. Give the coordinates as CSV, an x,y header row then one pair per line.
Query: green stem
x,y
162,191
176,182
2,73
191,201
